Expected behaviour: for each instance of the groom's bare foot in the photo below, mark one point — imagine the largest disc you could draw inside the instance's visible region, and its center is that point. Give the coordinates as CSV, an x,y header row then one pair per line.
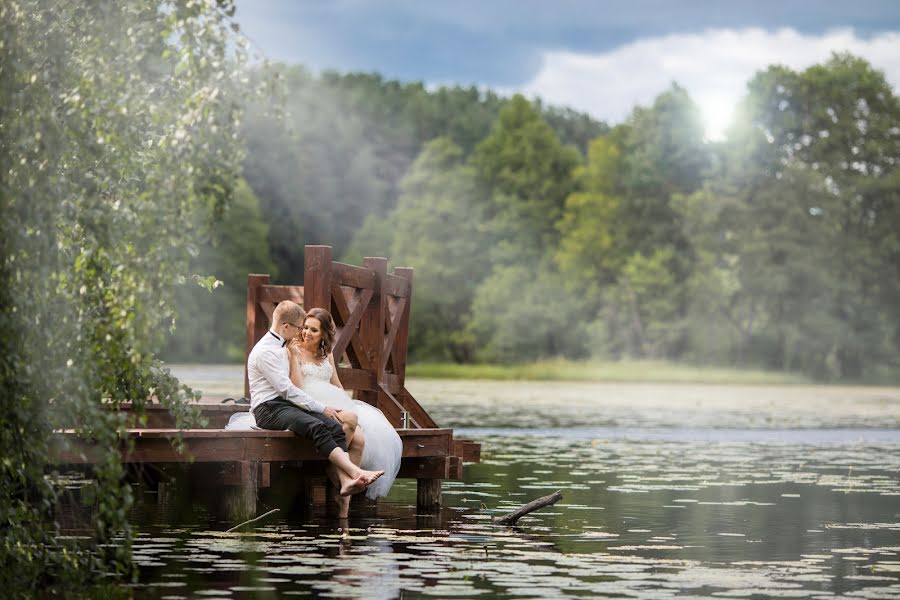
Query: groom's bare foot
x,y
371,476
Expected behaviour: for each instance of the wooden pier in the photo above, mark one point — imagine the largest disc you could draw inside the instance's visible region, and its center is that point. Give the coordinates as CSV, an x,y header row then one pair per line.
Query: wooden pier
x,y
371,312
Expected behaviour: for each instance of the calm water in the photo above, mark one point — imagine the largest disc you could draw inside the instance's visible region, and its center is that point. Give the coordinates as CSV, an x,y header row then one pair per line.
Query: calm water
x,y
640,517
653,512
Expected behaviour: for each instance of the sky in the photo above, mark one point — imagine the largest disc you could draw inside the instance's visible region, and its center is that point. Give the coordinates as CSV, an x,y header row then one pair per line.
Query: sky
x,y
601,57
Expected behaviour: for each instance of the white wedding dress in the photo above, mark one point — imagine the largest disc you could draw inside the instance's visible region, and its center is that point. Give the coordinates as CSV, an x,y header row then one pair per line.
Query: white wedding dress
x,y
383,448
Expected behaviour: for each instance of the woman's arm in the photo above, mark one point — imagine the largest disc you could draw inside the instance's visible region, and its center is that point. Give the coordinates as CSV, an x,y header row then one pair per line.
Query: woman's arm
x,y
335,380
294,362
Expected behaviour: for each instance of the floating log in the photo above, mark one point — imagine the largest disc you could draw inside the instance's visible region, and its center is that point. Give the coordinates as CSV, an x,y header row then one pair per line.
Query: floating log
x,y
511,518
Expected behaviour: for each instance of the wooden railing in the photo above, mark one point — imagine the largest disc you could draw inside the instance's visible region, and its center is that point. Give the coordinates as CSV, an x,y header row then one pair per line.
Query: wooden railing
x,y
371,310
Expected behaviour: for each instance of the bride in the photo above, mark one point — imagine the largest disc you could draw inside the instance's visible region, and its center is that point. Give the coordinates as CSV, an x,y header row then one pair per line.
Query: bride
x,y
313,370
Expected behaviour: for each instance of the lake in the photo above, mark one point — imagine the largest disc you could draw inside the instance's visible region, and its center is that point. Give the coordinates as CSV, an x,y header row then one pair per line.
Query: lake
x,y
668,491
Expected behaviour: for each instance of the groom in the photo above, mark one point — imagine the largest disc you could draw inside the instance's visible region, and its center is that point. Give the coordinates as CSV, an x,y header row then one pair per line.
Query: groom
x,y
278,404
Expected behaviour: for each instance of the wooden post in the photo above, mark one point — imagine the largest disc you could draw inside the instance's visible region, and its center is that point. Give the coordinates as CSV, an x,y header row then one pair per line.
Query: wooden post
x,y
240,500
401,342
314,491
165,493
257,323
317,277
371,326
428,495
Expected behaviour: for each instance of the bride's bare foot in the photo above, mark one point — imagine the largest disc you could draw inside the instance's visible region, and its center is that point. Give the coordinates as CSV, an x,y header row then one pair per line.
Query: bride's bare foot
x,y
354,486
357,485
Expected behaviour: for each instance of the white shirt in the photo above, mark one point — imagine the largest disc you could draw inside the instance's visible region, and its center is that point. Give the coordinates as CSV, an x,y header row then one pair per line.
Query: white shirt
x,y
268,371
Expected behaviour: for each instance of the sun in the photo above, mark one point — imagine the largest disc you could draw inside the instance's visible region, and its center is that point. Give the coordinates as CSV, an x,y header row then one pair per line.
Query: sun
x,y
717,113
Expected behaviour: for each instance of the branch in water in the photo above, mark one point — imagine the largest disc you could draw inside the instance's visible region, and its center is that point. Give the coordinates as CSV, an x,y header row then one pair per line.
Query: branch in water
x,y
511,518
274,510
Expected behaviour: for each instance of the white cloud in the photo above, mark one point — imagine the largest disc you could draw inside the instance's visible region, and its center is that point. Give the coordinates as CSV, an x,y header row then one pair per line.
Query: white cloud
x,y
714,66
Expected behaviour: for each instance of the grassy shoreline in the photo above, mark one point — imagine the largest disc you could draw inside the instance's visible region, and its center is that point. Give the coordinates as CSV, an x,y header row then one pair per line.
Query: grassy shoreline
x,y
634,371
643,371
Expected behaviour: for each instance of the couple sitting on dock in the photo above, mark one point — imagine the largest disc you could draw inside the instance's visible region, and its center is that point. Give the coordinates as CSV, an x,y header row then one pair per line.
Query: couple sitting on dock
x,y
294,386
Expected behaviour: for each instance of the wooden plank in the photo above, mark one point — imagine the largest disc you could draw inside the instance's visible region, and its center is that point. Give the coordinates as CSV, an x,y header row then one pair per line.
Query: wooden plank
x,y
190,434
371,328
317,277
392,383
257,322
349,332
215,445
395,286
414,467
432,467
468,450
218,415
268,309
353,276
401,343
357,379
426,442
392,334
456,467
391,408
279,293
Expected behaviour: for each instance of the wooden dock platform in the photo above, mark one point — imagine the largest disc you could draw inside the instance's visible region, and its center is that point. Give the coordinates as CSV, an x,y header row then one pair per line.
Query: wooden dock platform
x,y
371,311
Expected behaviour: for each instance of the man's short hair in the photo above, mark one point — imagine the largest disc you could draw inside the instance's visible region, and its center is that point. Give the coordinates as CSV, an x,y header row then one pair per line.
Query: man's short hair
x,y
288,312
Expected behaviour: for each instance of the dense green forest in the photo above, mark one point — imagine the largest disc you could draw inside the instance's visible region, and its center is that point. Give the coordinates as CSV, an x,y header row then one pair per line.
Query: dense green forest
x,y
540,232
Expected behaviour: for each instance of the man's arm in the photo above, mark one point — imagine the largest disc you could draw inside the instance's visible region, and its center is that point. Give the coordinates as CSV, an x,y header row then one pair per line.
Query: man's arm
x,y
273,365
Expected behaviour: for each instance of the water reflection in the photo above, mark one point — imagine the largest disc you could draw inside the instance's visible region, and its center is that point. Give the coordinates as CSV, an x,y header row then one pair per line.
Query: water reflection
x,y
643,518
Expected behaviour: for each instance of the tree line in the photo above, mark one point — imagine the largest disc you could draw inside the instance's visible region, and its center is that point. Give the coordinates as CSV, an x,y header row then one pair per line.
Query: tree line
x,y
539,232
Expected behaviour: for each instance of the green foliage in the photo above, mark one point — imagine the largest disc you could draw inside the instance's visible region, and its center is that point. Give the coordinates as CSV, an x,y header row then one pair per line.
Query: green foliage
x,y
810,179
590,251
352,157
439,233
211,310
639,316
527,174
317,171
774,249
374,238
522,313
663,154
117,127
330,172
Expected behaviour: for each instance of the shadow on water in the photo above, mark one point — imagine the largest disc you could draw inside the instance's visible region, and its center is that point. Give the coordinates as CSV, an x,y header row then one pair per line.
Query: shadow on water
x,y
640,517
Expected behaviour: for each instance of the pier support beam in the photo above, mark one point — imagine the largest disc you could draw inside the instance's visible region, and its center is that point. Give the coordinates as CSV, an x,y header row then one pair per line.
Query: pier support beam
x,y
428,495
242,481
